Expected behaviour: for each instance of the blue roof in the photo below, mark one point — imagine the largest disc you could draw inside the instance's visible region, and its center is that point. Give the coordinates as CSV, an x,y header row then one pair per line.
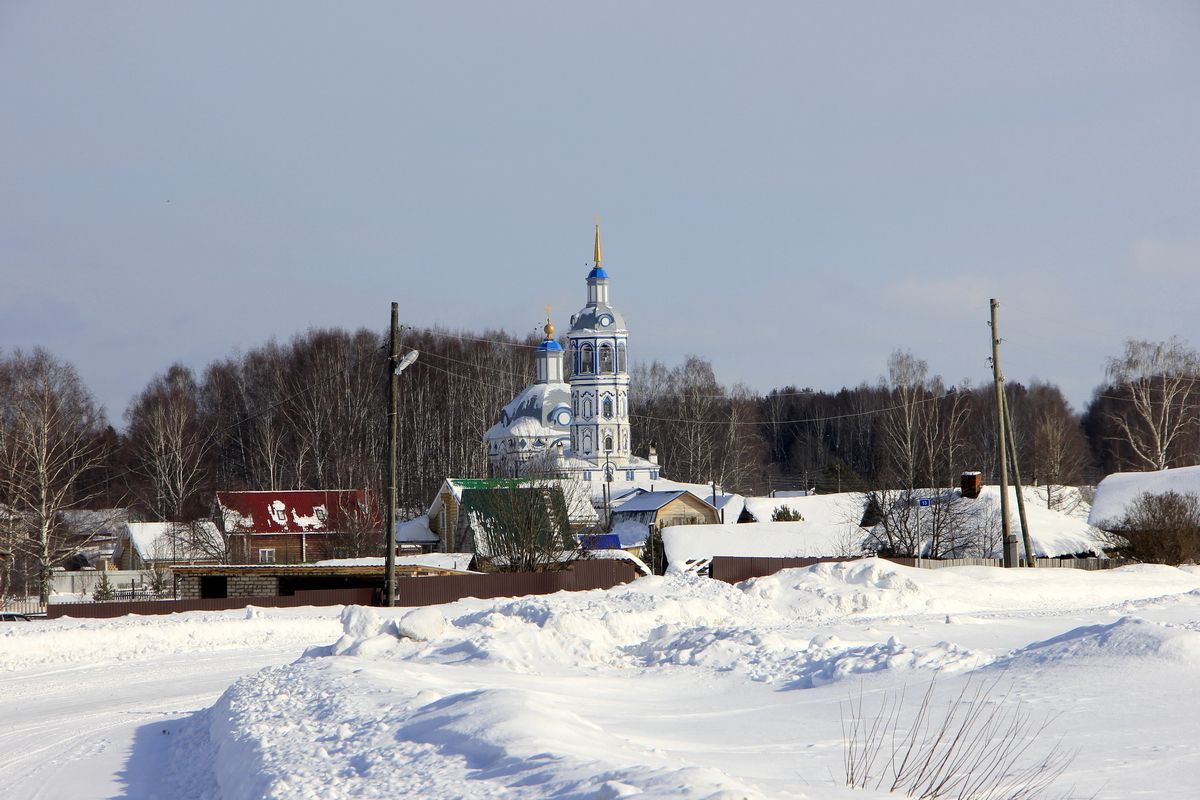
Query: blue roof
x,y
551,345
600,541
649,501
597,272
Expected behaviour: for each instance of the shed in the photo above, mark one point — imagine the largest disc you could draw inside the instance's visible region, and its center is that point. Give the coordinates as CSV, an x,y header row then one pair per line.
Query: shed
x,y
663,509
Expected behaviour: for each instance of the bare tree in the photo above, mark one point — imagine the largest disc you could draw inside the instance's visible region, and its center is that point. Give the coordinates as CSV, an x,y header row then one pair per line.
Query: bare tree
x,y
1156,381
1059,449
170,442
51,436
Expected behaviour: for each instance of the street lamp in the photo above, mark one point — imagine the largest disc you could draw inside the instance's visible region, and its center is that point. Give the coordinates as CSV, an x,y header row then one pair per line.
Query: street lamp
x,y
396,365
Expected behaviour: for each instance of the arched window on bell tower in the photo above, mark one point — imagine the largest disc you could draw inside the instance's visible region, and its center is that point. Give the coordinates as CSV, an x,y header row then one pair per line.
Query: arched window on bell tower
x,y
606,358
608,443
608,407
585,360
621,357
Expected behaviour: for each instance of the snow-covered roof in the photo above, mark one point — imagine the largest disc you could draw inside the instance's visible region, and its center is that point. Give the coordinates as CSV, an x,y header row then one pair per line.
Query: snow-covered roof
x,y
649,501
621,555
415,530
457,562
683,543
630,533
536,413
105,522
1117,492
1054,532
175,541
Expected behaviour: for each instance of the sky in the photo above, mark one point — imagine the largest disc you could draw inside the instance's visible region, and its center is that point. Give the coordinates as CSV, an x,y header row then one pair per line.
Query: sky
x,y
792,190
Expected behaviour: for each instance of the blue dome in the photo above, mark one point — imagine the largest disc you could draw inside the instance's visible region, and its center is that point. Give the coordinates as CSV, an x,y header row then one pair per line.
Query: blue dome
x,y
551,346
597,272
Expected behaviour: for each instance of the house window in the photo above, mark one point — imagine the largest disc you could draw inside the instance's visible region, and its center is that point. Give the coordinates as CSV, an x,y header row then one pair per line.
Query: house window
x,y
585,360
654,475
587,476
606,358
628,474
266,555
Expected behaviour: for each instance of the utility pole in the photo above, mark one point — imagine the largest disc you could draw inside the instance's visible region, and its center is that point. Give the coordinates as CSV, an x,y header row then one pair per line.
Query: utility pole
x,y
1011,555
1030,556
393,390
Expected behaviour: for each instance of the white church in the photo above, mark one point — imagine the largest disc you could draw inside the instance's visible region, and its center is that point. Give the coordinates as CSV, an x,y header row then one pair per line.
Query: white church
x,y
574,421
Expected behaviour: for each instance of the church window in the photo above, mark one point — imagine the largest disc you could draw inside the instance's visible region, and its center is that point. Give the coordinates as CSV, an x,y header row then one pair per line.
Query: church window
x,y
606,358
587,407
608,407
621,357
608,443
585,360
587,441
628,474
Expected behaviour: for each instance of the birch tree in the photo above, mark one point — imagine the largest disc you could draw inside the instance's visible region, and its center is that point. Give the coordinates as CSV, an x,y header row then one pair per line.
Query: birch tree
x,y
170,442
1156,382
51,438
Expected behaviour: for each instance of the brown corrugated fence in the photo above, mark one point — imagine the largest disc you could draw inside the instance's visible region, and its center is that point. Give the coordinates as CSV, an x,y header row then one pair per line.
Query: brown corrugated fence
x,y
583,575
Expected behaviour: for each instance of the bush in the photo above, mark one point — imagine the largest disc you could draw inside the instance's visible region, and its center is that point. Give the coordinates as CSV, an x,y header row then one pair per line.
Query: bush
x,y
1159,529
980,748
786,514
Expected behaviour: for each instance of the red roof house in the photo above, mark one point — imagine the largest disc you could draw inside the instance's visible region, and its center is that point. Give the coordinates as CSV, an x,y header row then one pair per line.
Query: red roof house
x,y
296,526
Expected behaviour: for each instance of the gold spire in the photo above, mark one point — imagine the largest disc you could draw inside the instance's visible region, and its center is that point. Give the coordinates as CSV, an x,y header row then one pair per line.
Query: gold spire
x,y
549,329
597,240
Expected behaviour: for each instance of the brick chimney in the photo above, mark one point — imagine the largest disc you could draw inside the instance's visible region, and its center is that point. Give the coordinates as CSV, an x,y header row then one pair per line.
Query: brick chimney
x,y
972,484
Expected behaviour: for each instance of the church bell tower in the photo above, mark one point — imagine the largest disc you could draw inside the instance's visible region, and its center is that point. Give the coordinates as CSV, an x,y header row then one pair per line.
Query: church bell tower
x,y
598,360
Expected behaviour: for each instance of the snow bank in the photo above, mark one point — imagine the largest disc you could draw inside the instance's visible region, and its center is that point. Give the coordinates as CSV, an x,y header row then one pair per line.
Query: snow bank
x,y
134,638
669,687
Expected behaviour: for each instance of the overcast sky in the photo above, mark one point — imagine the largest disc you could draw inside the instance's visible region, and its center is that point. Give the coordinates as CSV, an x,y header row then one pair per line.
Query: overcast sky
x,y
791,190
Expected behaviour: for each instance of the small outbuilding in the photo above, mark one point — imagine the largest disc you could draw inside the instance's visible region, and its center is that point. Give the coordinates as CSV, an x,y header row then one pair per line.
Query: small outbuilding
x,y
663,509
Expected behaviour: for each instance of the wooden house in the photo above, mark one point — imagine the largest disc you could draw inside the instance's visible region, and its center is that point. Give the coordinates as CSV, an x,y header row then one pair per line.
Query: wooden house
x,y
294,527
663,509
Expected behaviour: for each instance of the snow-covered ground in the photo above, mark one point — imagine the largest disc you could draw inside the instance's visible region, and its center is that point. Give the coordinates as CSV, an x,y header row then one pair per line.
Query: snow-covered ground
x,y
676,687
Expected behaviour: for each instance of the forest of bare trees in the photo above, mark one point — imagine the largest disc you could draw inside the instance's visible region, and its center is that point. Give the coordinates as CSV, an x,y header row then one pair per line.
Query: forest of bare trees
x,y
309,413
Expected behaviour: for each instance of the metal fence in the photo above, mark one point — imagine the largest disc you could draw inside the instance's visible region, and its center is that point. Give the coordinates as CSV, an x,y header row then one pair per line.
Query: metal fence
x,y
431,590
735,570
583,575
316,597
22,605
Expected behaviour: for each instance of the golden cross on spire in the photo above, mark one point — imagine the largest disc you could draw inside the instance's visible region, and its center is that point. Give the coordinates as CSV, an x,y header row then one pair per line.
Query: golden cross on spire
x,y
597,240
549,329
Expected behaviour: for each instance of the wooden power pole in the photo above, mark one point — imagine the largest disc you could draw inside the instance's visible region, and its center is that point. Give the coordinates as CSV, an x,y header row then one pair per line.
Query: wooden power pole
x,y
1026,537
389,587
1011,554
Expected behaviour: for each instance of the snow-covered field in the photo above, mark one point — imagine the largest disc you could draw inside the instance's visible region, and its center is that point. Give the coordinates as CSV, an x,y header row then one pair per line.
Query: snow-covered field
x,y
676,687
